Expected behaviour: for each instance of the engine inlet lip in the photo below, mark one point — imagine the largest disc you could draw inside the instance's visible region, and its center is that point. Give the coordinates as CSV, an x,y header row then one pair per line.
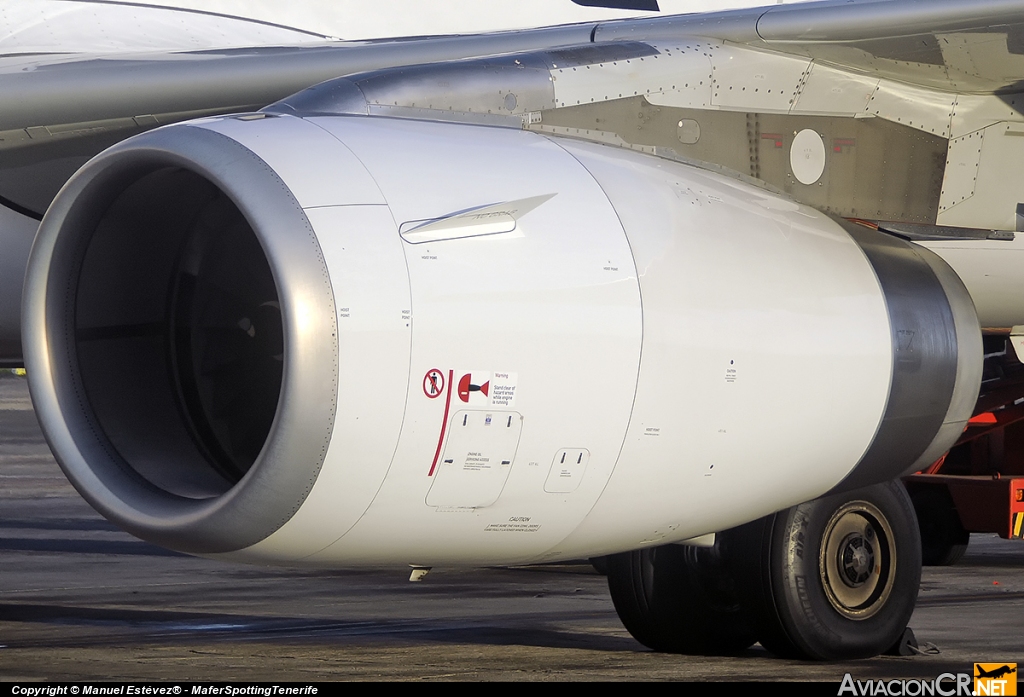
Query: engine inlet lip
x,y
280,479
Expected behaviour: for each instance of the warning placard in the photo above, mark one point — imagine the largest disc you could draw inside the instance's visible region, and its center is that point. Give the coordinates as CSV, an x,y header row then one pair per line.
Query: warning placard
x,y
486,389
503,390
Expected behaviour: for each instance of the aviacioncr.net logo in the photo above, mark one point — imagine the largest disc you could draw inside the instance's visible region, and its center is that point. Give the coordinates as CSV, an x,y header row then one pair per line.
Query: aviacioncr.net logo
x,y
946,685
995,679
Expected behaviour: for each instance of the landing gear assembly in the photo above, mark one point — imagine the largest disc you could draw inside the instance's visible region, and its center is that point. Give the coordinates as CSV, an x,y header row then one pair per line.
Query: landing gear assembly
x,y
831,579
679,599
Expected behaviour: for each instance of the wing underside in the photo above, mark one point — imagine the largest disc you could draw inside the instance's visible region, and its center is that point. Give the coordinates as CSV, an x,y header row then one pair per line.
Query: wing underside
x,y
59,110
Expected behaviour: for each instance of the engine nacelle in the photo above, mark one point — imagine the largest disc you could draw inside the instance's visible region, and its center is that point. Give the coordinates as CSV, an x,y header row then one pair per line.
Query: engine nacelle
x,y
344,340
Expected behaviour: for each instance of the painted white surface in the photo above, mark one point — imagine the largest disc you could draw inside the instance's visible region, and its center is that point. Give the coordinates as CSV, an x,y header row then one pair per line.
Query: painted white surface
x,y
993,271
1017,341
355,19
60,26
558,306
567,469
477,458
371,288
761,321
335,177
807,156
496,219
552,316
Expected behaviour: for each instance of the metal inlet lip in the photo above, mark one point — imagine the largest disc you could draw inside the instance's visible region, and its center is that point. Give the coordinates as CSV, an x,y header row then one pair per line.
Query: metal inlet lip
x,y
105,470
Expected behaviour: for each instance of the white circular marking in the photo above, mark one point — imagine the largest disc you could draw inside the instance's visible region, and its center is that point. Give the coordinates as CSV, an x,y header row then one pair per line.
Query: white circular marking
x,y
807,156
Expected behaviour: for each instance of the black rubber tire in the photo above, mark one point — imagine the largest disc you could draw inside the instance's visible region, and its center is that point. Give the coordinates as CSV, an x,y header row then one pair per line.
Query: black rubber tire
x,y
678,599
790,567
943,537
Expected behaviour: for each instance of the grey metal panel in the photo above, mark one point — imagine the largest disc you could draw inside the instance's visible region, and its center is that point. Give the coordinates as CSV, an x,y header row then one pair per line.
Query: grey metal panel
x,y
482,90
283,474
59,111
970,363
922,233
833,22
71,90
732,25
875,169
929,374
16,234
902,40
505,85
844,22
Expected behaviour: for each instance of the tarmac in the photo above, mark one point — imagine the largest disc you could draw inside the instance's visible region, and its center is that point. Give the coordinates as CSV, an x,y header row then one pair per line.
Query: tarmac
x,y
81,600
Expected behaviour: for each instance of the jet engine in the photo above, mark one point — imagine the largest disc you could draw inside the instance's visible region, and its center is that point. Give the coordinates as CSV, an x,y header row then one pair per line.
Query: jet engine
x,y
339,340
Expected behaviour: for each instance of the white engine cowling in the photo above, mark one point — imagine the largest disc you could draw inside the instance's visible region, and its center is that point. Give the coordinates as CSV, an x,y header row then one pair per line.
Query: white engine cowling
x,y
347,340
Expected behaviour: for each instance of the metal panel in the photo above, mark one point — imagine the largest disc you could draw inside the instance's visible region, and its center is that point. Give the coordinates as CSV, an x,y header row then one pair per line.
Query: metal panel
x,y
564,317
999,150
755,80
991,271
925,356
923,109
477,458
283,474
961,173
828,91
58,111
982,60
334,178
874,168
363,253
973,112
680,74
761,318
844,22
16,235
946,44
59,90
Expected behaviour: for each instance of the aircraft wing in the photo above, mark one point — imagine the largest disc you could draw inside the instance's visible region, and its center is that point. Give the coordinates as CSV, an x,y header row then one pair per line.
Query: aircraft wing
x,y
59,109
969,47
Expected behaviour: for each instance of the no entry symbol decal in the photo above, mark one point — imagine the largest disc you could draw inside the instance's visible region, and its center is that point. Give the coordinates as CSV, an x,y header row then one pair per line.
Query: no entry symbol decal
x,y
433,383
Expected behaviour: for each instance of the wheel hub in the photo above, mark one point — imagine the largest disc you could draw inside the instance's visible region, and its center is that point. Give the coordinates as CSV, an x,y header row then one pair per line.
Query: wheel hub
x,y
857,560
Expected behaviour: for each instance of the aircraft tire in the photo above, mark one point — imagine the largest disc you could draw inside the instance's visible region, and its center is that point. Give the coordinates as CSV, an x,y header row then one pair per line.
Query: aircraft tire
x,y
831,579
943,537
678,599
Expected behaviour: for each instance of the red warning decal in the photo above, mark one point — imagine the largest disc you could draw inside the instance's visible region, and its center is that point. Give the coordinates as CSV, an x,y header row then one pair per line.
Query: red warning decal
x,y
444,420
466,387
433,383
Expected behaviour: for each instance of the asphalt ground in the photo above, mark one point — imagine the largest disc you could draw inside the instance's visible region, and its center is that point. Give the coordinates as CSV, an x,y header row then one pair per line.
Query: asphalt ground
x,y
80,600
